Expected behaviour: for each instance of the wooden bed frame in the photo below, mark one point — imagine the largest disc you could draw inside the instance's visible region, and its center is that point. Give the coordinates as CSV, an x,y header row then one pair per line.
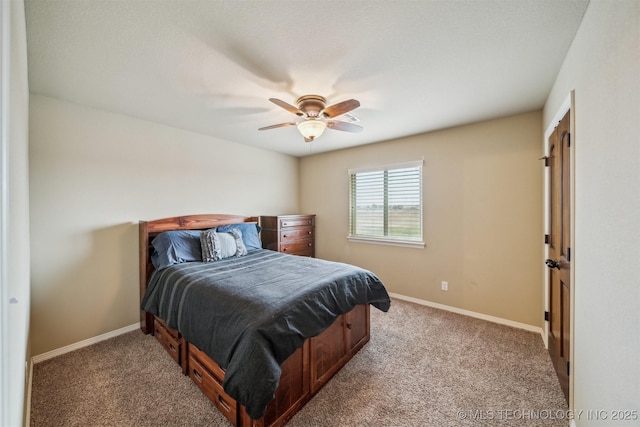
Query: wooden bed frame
x,y
304,373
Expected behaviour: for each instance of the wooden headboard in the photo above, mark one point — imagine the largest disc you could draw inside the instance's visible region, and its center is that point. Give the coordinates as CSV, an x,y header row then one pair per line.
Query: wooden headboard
x,y
150,229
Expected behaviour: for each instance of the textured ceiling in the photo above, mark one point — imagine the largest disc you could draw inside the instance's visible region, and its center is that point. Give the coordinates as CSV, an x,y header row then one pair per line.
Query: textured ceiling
x,y
210,66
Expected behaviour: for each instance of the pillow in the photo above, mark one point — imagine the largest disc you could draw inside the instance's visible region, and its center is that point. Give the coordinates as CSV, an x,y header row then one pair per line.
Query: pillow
x,y
217,246
175,247
249,230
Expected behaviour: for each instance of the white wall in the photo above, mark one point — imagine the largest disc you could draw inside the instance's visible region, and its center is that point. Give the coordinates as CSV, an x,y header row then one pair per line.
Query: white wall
x,y
94,175
15,213
603,66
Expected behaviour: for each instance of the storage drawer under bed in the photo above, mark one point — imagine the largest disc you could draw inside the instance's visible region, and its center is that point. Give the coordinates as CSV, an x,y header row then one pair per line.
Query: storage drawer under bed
x,y
209,377
169,339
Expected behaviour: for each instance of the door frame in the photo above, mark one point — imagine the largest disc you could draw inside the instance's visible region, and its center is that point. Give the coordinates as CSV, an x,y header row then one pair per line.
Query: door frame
x,y
567,105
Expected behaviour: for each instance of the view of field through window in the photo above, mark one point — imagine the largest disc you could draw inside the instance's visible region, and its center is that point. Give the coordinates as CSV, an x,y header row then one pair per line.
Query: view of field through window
x,y
387,203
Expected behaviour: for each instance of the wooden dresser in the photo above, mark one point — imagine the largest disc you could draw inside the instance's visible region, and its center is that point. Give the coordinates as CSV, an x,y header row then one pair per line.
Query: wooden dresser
x,y
291,234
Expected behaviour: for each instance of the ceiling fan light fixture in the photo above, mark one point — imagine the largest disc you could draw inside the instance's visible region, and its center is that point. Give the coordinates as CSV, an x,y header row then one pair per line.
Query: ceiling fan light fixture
x,y
311,129
317,116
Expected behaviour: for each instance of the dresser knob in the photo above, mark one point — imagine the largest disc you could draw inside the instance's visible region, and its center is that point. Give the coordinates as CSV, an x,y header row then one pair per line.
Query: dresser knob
x,y
309,244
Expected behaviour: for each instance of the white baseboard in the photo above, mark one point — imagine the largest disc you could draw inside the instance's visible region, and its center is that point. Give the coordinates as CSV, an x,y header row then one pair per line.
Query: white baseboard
x,y
457,310
71,347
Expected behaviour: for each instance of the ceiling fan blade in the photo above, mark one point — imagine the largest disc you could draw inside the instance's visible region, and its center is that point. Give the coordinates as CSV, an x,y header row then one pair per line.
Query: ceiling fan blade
x,y
280,125
288,107
340,108
344,126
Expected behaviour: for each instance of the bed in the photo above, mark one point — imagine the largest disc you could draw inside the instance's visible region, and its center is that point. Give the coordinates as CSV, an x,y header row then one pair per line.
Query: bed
x,y
259,332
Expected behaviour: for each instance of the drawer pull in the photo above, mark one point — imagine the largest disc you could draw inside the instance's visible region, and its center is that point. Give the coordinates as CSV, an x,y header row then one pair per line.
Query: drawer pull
x,y
309,244
224,404
309,233
284,236
349,325
284,249
171,346
197,375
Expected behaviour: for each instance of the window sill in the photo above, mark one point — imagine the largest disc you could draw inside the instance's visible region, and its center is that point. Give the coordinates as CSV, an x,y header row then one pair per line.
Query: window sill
x,y
390,242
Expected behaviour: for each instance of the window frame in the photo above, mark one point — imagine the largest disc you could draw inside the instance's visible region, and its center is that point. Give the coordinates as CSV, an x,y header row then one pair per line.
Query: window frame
x,y
388,240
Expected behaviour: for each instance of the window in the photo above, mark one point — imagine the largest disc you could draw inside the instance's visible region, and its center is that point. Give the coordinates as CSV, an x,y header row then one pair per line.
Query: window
x,y
386,204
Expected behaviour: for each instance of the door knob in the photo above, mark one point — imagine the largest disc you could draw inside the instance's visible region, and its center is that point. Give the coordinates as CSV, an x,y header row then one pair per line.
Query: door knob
x,y
553,263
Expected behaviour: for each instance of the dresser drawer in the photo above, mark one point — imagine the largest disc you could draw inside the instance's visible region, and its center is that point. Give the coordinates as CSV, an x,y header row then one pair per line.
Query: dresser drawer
x,y
296,247
304,252
303,221
287,235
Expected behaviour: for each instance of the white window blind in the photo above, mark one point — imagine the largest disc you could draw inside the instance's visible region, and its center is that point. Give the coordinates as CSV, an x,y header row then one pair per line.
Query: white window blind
x,y
386,203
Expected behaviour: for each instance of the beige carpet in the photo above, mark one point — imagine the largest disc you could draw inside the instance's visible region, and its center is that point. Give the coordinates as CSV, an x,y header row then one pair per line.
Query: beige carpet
x,y
422,367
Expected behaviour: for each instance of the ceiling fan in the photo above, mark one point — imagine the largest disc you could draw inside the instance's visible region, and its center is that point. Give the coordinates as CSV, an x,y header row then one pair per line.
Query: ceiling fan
x,y
317,116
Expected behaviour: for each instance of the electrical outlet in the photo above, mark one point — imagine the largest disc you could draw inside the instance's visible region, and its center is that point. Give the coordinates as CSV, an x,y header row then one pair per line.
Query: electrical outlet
x,y
445,286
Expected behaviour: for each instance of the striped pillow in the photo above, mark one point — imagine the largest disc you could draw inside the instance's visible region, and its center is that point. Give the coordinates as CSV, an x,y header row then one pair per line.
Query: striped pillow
x,y
217,246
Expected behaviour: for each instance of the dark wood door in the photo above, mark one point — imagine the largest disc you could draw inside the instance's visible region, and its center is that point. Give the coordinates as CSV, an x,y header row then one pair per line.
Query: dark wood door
x,y
559,261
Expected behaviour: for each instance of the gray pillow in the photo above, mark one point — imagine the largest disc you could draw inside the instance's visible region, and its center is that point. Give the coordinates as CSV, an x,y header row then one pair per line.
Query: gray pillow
x,y
217,246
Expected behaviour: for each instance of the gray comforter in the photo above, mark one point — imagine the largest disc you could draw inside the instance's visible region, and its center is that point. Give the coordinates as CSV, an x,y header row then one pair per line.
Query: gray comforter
x,y
250,313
